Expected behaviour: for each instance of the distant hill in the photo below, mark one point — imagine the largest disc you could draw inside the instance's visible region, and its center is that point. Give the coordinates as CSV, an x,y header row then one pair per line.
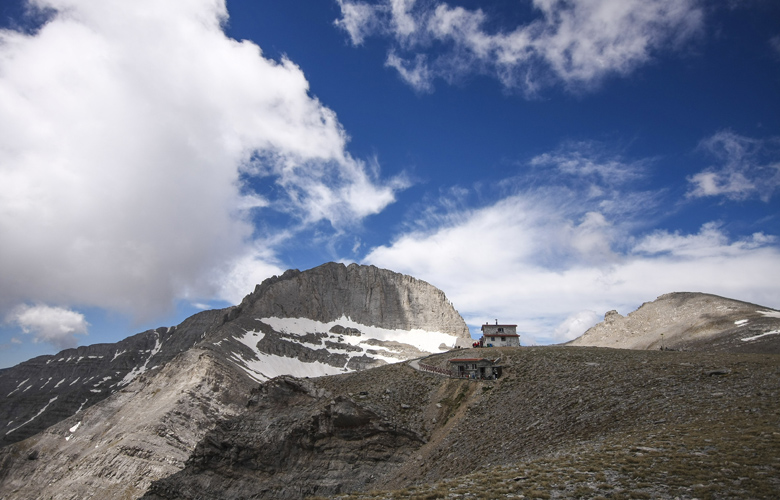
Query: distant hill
x,y
689,321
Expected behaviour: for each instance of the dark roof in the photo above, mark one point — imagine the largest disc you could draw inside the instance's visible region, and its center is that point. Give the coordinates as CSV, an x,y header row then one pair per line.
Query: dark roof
x,y
483,326
469,360
502,334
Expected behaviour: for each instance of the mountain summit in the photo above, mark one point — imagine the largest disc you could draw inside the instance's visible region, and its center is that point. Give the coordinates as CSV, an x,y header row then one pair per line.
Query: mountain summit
x,y
692,322
117,416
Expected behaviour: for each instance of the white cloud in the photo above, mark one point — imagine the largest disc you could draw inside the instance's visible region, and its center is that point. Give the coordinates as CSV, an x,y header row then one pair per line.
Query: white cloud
x,y
575,42
552,259
774,43
244,272
745,168
417,74
590,161
54,325
141,149
573,326
357,19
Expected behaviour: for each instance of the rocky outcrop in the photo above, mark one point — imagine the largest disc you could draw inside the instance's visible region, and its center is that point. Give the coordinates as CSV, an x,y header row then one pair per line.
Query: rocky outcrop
x,y
366,294
689,321
295,440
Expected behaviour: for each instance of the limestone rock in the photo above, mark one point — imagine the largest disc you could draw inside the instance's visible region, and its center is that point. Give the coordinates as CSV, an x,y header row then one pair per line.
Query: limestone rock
x,y
689,321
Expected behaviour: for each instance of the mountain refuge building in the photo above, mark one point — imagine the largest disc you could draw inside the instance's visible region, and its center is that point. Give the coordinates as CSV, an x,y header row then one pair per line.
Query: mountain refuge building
x,y
475,368
499,335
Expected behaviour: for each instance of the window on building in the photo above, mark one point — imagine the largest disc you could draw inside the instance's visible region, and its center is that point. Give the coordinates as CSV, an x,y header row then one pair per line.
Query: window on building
x,y
501,330
492,339
503,339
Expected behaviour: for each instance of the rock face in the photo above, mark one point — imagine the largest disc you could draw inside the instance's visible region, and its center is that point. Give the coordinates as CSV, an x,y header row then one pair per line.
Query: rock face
x,y
110,419
366,294
296,439
689,321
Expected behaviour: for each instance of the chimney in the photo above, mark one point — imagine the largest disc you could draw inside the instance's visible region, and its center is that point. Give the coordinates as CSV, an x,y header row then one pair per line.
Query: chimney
x,y
496,322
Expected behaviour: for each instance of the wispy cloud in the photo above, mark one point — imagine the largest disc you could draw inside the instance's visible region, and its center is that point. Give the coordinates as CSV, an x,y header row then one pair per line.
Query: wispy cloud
x,y
555,258
745,168
141,149
774,43
578,43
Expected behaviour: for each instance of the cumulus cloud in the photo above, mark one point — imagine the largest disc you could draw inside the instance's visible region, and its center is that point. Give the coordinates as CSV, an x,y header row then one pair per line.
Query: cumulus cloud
x,y
554,259
575,42
141,149
57,326
573,326
745,168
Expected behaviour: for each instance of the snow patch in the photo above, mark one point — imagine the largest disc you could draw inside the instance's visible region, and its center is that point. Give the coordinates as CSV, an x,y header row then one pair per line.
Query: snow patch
x,y
262,366
18,387
34,417
118,353
82,405
268,366
74,428
748,339
58,383
769,314
138,370
741,322
421,339
109,377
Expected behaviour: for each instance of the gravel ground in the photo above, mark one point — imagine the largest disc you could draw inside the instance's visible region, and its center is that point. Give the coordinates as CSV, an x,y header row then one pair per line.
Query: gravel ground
x,y
568,422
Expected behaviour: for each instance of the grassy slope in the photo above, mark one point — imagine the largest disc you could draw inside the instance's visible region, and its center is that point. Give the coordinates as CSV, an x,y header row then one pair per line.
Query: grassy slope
x,y
568,422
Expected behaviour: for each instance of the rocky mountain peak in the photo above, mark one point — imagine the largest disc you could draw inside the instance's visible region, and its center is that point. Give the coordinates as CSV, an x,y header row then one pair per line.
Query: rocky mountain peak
x,y
366,294
689,321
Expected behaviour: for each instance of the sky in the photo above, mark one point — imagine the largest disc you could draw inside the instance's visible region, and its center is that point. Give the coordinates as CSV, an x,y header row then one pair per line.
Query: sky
x,y
540,161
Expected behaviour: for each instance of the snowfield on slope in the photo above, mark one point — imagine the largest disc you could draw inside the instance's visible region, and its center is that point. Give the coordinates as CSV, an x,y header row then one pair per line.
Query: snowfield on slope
x,y
263,366
421,339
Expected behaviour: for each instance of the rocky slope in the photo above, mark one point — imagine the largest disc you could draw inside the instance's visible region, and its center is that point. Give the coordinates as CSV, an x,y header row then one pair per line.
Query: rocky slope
x,y
563,422
152,397
689,321
117,447
45,390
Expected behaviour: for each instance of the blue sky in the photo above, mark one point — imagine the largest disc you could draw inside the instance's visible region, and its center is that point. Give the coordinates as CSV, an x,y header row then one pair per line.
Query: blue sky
x,y
541,161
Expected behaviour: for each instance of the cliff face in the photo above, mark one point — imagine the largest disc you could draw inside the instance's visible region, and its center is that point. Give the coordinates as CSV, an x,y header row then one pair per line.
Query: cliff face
x,y
366,294
110,419
689,321
294,440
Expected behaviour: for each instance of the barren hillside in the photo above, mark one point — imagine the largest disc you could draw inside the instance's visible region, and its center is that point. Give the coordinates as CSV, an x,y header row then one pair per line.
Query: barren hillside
x,y
689,321
563,422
